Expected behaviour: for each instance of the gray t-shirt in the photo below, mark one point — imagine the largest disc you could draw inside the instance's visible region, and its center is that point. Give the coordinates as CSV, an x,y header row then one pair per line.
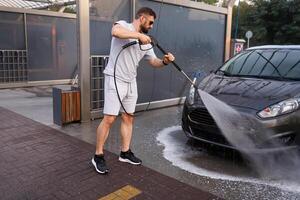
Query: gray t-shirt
x,y
128,61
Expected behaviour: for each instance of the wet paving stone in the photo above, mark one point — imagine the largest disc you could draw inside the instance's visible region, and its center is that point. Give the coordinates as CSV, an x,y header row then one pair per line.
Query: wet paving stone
x,y
38,162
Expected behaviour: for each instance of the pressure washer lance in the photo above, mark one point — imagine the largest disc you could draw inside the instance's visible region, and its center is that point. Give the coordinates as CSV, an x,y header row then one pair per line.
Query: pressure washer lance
x,y
154,42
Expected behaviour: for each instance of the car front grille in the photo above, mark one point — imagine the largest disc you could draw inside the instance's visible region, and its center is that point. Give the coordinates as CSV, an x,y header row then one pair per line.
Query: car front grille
x,y
202,116
213,136
203,126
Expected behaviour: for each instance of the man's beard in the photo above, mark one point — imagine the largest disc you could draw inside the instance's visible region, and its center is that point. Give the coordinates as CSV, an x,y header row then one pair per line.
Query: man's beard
x,y
143,29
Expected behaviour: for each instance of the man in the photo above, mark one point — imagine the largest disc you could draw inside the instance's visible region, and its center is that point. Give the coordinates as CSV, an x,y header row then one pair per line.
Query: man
x,y
126,69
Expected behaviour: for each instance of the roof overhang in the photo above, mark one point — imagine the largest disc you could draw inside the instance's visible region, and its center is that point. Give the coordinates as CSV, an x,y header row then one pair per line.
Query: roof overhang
x,y
35,4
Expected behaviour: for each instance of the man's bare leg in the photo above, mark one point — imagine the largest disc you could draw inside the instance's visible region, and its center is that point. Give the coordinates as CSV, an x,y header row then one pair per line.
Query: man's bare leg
x,y
103,132
126,131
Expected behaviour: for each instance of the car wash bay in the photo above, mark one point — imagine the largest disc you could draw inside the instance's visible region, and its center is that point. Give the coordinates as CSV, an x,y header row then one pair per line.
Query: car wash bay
x,y
161,144
158,139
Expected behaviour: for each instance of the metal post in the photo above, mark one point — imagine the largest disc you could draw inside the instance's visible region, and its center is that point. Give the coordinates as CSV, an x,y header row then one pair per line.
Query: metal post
x,y
133,9
228,29
25,31
248,43
24,69
83,37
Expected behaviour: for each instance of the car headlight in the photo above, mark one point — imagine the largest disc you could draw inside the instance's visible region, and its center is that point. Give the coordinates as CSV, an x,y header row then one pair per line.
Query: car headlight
x,y
281,108
191,96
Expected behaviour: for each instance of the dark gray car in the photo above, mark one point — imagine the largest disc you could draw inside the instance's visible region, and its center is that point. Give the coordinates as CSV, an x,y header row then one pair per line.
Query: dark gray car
x,y
261,81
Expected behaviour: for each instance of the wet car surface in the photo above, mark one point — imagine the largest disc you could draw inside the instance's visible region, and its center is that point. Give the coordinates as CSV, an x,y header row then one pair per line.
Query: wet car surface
x,y
262,82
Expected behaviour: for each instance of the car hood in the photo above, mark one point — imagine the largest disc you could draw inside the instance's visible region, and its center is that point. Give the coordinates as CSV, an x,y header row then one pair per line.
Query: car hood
x,y
249,92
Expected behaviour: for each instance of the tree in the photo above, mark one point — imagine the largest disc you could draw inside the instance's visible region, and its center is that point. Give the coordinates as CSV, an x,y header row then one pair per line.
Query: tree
x,y
211,2
271,21
68,9
244,20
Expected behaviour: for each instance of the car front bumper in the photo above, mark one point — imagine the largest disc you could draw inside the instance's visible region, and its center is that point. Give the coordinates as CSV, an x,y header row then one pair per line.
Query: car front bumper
x,y
198,124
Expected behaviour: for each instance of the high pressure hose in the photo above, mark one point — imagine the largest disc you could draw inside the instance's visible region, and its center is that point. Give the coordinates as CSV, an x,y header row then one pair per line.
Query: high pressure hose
x,y
154,42
128,45
115,67
154,71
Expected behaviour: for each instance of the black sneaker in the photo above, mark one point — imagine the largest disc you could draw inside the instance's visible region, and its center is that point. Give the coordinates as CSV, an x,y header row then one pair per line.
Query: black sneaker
x,y
99,164
129,157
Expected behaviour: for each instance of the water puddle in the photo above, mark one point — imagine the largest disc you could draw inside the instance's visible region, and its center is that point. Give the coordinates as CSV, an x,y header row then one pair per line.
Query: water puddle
x,y
179,155
249,136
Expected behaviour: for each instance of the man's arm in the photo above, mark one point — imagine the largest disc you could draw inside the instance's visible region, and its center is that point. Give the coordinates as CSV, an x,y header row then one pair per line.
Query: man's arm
x,y
123,33
156,62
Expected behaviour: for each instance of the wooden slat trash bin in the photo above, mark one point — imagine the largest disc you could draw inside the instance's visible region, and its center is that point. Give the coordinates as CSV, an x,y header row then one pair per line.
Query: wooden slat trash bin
x,y
66,104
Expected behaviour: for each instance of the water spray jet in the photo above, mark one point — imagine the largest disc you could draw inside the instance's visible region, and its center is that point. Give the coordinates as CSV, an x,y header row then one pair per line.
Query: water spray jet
x,y
247,135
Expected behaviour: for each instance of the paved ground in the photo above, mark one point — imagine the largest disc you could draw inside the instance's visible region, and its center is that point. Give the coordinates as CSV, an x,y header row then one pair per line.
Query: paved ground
x,y
159,141
39,162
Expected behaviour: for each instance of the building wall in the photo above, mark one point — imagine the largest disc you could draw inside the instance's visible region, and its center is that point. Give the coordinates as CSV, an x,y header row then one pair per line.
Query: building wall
x,y
48,39
195,36
193,32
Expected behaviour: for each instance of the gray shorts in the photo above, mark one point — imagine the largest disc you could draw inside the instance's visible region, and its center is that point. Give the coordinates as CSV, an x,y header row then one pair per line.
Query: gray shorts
x,y
128,95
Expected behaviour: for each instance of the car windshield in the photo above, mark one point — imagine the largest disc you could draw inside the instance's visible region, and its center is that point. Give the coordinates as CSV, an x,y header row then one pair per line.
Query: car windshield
x,y
279,64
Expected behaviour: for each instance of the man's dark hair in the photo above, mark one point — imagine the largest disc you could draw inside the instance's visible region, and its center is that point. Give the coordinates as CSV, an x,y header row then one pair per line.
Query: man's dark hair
x,y
145,10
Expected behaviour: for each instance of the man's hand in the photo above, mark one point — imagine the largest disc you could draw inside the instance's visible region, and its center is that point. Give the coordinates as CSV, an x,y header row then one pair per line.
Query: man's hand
x,y
144,39
123,33
168,58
